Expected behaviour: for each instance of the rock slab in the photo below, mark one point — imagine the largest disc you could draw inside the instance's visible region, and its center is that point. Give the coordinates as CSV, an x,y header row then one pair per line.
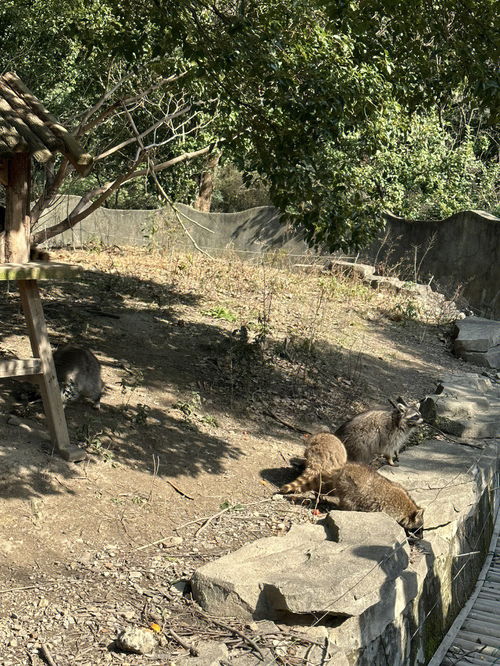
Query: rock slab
x,y
307,571
478,341
465,405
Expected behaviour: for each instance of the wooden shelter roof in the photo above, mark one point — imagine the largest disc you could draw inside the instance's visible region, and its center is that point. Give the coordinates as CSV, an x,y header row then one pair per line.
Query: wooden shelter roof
x,y
27,127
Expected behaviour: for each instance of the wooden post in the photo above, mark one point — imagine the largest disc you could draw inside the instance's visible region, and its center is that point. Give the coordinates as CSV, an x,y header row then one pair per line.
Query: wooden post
x,y
17,227
4,172
49,387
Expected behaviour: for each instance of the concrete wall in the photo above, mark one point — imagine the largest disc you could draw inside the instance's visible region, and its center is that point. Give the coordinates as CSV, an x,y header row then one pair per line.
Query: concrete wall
x,y
251,232
461,251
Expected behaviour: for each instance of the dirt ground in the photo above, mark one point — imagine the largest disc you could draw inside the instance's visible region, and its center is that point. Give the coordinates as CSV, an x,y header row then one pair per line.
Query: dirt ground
x,y
205,362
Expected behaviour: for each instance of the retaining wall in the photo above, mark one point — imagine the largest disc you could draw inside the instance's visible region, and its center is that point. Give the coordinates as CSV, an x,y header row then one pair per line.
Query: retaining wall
x,y
462,251
250,232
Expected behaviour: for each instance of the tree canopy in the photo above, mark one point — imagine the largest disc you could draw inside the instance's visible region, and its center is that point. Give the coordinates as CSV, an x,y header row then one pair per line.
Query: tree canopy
x,y
346,109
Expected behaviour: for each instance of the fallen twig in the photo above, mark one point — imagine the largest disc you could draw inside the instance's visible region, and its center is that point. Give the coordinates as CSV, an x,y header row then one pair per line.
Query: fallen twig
x,y
239,633
210,518
268,412
25,425
187,646
18,589
46,655
101,313
199,520
181,492
454,439
155,543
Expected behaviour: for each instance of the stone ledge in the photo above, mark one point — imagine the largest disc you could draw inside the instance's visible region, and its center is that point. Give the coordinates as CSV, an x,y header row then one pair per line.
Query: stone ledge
x,y
354,575
478,341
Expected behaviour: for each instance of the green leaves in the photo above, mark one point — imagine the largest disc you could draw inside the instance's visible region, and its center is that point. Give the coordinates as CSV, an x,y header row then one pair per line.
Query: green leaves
x,y
345,109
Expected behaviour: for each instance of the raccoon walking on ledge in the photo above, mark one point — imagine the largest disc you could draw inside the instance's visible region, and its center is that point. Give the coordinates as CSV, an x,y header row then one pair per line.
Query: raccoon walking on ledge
x,y
379,432
324,454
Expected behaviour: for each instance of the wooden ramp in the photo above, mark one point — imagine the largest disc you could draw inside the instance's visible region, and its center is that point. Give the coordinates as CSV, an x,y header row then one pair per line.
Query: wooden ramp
x,y
474,637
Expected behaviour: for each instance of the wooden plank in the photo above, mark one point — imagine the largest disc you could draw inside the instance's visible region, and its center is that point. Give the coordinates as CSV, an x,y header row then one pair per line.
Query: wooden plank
x,y
35,270
453,637
16,367
49,387
479,639
17,229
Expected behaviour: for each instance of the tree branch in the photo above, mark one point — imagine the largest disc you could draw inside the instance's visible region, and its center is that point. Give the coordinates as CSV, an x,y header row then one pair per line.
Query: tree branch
x,y
134,139
104,192
51,188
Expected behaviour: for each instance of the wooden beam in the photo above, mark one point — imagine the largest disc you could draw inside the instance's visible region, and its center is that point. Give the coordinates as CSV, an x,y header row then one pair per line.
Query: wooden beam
x,y
49,387
17,228
35,270
17,367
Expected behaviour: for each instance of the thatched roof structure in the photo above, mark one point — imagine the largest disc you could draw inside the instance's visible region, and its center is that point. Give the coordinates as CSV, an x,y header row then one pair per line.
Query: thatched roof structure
x,y
27,127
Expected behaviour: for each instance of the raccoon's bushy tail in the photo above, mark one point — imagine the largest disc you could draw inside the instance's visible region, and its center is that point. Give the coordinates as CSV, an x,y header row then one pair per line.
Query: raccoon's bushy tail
x,y
308,480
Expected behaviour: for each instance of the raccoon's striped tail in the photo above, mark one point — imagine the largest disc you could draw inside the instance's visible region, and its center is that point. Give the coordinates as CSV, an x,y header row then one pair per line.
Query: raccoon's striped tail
x,y
308,480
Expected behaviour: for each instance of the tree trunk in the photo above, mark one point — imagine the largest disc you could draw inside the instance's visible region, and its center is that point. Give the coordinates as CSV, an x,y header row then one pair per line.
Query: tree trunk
x,y
204,199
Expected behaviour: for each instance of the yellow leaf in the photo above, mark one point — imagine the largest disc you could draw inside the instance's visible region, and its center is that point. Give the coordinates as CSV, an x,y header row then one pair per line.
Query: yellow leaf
x,y
155,627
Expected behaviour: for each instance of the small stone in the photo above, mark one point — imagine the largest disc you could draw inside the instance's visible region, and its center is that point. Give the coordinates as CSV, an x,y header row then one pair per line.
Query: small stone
x,y
128,615
136,640
179,587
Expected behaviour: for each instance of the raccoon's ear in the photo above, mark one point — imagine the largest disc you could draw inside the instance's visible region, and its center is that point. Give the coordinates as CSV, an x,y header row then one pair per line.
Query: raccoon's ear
x,y
402,401
419,515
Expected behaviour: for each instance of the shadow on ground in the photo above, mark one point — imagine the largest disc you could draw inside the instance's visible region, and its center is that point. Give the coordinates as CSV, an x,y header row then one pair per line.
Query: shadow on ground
x,y
173,376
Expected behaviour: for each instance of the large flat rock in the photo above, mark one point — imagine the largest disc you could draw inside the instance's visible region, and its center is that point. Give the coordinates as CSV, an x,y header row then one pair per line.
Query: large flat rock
x,y
351,576
477,334
478,341
444,477
306,572
465,405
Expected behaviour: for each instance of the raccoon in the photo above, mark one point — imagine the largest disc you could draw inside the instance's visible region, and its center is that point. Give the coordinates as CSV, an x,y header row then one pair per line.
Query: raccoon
x,y
79,374
379,432
35,253
38,255
324,454
357,487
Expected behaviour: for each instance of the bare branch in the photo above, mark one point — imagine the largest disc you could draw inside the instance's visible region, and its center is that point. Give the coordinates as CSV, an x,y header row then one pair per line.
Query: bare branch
x,y
133,139
105,191
85,127
51,188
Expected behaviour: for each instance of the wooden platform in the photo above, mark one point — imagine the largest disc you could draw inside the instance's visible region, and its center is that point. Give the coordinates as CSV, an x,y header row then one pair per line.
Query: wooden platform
x,y
40,368
474,637
39,270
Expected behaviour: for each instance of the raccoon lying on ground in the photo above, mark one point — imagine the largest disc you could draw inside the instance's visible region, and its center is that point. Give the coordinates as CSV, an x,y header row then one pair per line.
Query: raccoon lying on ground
x,y
79,374
379,432
357,487
323,455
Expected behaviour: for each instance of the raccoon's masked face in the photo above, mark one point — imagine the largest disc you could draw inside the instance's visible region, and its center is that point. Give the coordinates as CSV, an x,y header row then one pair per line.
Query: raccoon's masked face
x,y
409,414
414,523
